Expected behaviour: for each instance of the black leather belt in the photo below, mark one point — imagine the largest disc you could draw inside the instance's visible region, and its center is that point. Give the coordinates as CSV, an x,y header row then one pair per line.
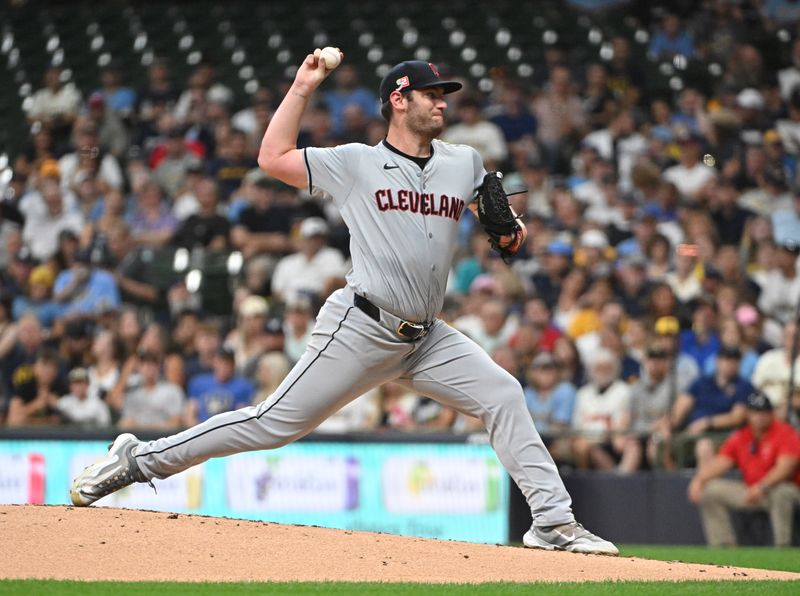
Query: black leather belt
x,y
405,329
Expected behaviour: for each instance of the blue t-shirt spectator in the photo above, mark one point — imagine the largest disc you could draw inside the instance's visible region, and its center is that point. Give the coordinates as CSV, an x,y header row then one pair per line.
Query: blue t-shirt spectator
x,y
555,409
46,311
337,100
213,396
700,351
710,399
98,292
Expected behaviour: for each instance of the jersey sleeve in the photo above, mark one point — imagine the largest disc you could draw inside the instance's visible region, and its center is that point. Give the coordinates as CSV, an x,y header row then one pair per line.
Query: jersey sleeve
x,y
478,171
333,169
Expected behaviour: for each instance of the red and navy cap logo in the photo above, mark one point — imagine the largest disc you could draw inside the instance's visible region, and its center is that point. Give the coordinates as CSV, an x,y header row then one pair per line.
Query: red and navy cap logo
x,y
434,69
402,83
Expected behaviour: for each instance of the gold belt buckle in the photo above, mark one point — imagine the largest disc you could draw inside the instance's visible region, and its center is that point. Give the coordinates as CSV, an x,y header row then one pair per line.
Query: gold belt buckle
x,y
419,329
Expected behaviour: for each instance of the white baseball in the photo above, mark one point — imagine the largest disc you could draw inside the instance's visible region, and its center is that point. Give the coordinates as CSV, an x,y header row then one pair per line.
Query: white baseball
x,y
331,57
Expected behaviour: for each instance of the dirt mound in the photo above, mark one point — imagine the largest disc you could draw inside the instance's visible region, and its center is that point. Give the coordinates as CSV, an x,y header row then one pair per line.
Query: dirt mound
x,y
126,545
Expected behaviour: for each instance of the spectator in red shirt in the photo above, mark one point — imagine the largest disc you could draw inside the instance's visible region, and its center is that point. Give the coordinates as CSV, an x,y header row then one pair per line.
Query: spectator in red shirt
x,y
766,451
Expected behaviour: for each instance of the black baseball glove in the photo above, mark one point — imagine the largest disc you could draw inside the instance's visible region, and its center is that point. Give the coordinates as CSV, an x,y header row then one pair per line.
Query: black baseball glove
x,y
497,217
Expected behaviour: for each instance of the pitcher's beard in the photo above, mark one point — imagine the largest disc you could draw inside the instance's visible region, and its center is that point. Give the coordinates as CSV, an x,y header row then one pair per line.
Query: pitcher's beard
x,y
424,127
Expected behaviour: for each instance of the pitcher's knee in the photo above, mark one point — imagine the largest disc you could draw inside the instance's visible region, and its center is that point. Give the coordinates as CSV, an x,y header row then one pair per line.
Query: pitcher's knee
x,y
506,392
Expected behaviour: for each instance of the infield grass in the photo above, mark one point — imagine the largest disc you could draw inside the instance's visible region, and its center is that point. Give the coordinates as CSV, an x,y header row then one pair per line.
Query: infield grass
x,y
760,557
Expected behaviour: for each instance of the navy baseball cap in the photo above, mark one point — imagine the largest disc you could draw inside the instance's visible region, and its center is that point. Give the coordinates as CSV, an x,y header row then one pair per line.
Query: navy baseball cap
x,y
759,402
414,74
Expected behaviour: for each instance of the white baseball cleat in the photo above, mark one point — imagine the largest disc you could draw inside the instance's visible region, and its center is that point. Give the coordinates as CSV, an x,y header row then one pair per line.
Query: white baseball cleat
x,y
115,470
571,536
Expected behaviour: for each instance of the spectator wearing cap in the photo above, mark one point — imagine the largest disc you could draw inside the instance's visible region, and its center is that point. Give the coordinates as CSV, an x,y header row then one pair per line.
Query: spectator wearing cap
x,y
80,406
712,404
766,451
151,222
622,218
234,160
772,371
313,268
475,130
666,335
752,119
151,402
633,287
89,156
780,291
14,277
690,175
84,289
556,263
297,326
652,396
550,400
592,253
44,222
206,228
602,417
221,390
264,225
112,132
36,394
37,299
729,218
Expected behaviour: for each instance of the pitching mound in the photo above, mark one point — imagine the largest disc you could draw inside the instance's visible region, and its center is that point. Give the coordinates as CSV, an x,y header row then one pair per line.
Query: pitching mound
x,y
127,545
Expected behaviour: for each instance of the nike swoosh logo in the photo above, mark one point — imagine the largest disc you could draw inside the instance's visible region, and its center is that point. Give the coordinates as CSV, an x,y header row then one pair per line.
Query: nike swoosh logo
x,y
565,537
386,166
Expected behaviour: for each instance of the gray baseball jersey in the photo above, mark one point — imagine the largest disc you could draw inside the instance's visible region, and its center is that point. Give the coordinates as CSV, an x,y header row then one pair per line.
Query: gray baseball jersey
x,y
403,220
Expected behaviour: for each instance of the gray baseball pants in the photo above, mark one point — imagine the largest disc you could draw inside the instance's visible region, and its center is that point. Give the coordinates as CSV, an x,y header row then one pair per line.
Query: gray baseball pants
x,y
350,353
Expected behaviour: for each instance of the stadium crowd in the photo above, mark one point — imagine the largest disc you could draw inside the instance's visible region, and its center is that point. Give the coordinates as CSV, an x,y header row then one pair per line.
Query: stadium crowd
x,y
152,276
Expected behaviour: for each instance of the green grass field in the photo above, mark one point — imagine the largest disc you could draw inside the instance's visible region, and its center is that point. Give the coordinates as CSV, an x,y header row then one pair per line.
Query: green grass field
x,y
765,558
